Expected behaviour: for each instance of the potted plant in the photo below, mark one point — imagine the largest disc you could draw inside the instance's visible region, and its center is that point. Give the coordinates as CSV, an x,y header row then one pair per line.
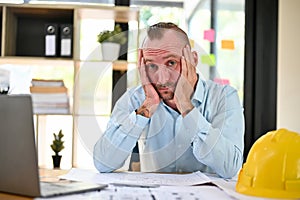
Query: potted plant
x,y
57,145
111,42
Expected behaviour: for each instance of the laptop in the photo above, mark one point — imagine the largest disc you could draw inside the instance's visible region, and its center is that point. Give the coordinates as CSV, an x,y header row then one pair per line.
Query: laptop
x,y
19,172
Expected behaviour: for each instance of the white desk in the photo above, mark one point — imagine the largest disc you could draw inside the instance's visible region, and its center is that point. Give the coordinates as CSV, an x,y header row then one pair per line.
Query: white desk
x,y
224,189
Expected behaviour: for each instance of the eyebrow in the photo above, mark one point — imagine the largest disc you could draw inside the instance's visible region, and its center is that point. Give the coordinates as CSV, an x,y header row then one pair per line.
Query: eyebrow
x,y
171,55
165,57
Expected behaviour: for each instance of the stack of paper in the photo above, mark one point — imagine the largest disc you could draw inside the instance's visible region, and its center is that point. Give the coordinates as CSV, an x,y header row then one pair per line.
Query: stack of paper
x,y
148,186
49,96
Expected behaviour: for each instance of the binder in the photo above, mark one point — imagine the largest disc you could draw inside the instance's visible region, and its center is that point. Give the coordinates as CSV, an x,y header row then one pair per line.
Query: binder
x,y
66,39
51,33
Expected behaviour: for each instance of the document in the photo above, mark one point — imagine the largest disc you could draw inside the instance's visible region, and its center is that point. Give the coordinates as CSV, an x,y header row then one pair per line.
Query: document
x,y
189,193
146,186
161,193
137,178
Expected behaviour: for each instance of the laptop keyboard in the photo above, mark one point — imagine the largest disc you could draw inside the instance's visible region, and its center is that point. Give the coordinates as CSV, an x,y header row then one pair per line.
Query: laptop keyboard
x,y
65,187
48,188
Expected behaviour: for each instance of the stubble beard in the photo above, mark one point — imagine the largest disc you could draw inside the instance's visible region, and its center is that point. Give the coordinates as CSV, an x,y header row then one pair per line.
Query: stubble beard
x,y
166,95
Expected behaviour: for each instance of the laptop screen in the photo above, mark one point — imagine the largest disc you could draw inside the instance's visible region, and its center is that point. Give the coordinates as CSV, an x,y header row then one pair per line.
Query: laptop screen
x,y
19,172
19,165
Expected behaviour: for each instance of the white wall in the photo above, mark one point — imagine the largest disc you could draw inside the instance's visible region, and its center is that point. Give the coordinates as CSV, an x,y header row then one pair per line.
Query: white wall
x,y
288,101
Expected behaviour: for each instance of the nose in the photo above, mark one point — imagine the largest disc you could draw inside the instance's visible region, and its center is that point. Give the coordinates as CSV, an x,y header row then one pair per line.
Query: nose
x,y
163,75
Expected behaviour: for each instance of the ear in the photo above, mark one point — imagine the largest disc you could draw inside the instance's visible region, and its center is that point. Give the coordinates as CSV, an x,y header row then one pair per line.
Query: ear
x,y
195,56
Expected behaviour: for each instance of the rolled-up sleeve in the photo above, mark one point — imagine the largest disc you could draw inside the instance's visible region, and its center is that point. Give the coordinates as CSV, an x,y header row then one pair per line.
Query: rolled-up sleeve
x,y
219,136
120,137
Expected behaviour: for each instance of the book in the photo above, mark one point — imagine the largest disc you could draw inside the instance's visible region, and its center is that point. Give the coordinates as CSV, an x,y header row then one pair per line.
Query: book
x,y
50,89
47,82
50,105
38,110
50,97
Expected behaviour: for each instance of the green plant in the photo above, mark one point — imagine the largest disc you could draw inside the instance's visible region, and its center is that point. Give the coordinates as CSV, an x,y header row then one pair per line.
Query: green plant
x,y
116,35
57,144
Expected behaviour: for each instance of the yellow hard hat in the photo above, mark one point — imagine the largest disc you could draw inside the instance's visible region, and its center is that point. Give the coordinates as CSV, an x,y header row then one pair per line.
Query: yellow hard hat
x,y
272,168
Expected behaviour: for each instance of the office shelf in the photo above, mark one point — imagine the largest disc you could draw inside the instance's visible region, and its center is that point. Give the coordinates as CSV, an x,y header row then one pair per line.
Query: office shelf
x,y
22,29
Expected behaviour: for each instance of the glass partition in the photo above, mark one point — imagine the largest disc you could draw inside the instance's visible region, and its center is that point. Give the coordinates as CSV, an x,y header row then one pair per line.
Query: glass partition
x,y
218,30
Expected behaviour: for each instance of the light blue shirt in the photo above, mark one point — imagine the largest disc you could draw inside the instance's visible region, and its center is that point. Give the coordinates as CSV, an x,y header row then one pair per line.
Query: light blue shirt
x,y
210,138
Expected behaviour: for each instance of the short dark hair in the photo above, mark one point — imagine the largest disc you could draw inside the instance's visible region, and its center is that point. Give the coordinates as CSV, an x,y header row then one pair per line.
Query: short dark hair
x,y
156,31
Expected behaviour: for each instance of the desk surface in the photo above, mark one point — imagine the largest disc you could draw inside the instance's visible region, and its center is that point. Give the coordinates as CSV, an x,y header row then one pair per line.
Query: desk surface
x,y
227,188
45,174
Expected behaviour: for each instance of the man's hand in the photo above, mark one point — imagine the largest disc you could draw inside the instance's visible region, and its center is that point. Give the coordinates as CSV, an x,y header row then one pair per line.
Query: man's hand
x,y
152,100
186,82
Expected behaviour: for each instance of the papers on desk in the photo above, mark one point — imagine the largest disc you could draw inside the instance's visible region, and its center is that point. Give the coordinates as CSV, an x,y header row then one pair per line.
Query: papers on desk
x,y
138,178
161,193
171,186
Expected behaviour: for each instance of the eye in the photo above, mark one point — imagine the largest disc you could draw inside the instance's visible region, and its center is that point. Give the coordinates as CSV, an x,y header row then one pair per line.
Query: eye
x,y
152,66
171,63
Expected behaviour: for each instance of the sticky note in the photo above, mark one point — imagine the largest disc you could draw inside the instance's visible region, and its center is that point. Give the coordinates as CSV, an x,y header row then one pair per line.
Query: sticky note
x,y
209,59
209,35
227,44
222,81
192,43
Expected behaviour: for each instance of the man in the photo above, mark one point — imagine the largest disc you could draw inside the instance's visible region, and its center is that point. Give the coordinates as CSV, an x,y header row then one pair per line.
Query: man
x,y
181,123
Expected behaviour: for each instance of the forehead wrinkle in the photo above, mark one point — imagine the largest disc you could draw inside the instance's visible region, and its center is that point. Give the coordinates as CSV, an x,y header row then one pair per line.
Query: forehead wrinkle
x,y
162,47
159,51
154,50
164,57
166,44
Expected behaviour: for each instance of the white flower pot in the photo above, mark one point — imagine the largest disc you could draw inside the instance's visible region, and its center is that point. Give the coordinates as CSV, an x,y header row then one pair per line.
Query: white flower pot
x,y
110,51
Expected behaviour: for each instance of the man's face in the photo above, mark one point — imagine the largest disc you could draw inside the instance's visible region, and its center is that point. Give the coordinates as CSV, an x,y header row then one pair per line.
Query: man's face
x,y
163,65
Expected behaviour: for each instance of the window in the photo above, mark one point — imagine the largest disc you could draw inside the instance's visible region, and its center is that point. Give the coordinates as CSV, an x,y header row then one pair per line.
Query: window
x,y
217,27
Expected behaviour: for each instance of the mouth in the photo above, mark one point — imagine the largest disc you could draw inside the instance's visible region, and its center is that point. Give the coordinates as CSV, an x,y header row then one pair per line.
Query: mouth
x,y
166,93
163,89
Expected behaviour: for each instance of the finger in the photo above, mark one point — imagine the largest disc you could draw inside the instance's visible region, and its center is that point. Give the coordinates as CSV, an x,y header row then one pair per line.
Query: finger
x,y
184,68
191,65
140,56
143,74
142,68
190,57
186,54
187,60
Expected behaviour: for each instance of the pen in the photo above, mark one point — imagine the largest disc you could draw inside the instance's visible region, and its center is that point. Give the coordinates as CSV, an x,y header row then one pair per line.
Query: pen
x,y
135,185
